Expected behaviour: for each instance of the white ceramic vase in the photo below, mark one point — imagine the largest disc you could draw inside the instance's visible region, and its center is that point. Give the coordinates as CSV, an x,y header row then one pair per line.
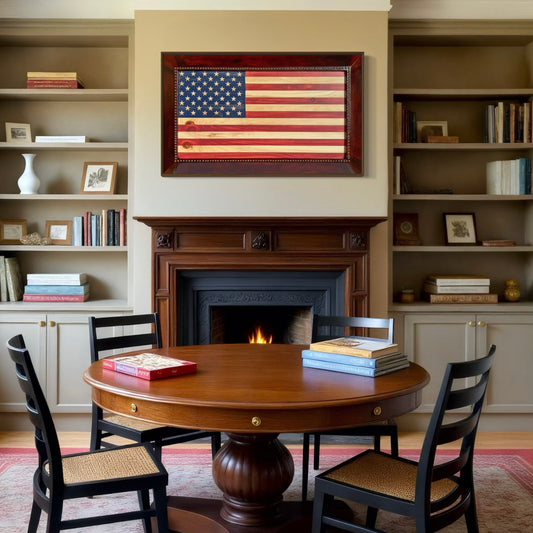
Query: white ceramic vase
x,y
29,182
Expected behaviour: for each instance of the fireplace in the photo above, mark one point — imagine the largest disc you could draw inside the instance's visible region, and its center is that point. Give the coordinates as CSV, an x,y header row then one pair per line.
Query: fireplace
x,y
215,279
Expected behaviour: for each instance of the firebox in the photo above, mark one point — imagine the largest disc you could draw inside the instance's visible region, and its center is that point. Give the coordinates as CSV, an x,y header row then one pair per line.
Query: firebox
x,y
238,306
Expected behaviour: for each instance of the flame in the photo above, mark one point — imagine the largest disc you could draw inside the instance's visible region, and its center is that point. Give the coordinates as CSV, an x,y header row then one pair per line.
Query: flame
x,y
259,338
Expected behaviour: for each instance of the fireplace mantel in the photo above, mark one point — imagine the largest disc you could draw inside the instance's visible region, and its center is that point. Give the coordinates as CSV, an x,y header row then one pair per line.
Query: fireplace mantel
x,y
254,244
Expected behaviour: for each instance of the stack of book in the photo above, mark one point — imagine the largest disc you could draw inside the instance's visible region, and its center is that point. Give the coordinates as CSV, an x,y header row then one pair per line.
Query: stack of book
x,y
106,229
56,288
53,80
352,355
455,289
149,366
511,176
10,280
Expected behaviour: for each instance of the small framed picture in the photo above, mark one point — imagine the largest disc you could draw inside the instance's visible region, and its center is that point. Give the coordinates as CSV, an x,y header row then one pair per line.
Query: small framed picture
x,y
99,178
406,229
11,231
18,132
59,231
460,228
430,128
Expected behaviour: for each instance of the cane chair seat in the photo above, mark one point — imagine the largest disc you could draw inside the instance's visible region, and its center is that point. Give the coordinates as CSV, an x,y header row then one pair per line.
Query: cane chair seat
x,y
378,472
133,423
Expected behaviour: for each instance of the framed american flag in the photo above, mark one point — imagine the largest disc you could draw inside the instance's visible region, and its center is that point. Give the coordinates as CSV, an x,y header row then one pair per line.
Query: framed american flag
x,y
262,114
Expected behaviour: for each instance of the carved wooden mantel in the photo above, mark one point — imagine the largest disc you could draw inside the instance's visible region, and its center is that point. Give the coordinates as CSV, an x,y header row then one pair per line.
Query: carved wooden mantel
x,y
254,244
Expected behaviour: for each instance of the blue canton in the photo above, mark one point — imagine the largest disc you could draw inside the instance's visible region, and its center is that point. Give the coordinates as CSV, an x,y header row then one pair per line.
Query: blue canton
x,y
211,93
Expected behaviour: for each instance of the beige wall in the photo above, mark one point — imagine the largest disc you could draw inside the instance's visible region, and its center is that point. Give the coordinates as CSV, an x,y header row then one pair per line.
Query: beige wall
x,y
263,31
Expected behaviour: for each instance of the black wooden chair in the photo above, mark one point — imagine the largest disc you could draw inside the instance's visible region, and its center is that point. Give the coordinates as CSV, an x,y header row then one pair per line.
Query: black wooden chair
x,y
102,339
330,327
62,477
434,494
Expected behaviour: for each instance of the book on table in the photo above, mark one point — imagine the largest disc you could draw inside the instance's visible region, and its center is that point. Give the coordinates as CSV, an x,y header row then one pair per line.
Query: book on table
x,y
462,298
355,360
354,369
150,366
355,346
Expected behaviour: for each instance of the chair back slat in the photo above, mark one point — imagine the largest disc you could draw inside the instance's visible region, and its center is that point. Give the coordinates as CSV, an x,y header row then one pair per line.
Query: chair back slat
x,y
101,340
46,440
453,394
330,327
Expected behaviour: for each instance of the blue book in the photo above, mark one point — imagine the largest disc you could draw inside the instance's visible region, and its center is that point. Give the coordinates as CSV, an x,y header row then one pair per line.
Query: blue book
x,y
352,369
370,362
77,231
57,289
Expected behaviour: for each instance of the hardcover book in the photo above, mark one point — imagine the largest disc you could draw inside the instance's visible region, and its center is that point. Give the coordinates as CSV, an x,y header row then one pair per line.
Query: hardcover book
x,y
463,298
15,288
3,280
354,360
150,366
355,346
353,369
55,297
461,279
433,288
57,289
57,279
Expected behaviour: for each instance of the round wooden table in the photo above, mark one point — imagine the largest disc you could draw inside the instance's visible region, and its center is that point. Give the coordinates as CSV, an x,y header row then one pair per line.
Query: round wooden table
x,y
253,392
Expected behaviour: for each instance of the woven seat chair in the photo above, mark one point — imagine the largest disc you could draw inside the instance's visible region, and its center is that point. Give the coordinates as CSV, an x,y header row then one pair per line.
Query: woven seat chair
x,y
80,475
434,493
330,327
102,342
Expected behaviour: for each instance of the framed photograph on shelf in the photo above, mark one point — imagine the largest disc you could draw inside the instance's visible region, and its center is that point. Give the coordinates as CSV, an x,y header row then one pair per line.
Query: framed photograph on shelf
x,y
99,178
430,128
12,230
59,231
18,132
406,229
460,228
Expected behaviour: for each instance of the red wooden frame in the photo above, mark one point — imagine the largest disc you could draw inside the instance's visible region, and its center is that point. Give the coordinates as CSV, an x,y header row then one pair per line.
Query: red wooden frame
x,y
351,163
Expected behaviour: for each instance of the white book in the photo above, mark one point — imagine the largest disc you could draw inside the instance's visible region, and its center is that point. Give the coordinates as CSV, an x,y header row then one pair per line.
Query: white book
x,y
431,288
461,279
56,279
61,139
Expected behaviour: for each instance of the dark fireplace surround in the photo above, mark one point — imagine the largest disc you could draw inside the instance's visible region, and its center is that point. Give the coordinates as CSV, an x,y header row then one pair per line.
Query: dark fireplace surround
x,y
207,271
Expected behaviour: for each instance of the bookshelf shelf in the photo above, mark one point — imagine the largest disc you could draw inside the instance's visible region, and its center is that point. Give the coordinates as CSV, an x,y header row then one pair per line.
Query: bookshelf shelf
x,y
489,147
417,94
56,248
83,147
464,249
65,197
65,95
463,197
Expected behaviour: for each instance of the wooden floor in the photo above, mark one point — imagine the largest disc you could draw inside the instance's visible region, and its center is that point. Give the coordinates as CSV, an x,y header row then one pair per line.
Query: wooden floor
x,y
408,440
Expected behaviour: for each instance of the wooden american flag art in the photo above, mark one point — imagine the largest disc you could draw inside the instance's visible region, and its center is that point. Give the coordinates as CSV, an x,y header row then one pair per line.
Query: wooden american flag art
x,y
267,114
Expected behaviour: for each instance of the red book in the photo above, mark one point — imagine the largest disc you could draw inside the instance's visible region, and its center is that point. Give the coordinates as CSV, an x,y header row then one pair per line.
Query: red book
x,y
122,212
55,297
35,83
149,366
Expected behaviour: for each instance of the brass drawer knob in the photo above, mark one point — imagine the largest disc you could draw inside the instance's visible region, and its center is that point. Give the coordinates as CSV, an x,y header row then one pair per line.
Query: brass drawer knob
x,y
256,421
377,411
133,408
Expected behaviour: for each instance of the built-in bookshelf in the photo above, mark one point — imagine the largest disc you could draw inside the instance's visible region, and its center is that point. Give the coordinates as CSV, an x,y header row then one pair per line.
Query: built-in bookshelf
x,y
100,53
452,74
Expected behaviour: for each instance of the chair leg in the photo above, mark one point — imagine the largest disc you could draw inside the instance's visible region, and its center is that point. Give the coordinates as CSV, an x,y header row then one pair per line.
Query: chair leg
x,y
144,504
54,517
216,443
96,434
35,515
305,466
158,446
320,504
160,504
371,516
316,451
394,441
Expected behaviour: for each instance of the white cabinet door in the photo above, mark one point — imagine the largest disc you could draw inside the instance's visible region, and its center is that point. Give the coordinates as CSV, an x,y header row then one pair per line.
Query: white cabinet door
x,y
32,326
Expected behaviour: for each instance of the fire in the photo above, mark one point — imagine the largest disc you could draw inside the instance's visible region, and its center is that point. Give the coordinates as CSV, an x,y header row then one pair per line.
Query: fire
x,y
258,337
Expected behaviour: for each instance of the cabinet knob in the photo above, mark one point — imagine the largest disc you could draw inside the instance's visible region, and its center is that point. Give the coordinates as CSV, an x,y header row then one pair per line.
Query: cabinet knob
x,y
376,411
256,421
51,324
42,323
481,324
472,324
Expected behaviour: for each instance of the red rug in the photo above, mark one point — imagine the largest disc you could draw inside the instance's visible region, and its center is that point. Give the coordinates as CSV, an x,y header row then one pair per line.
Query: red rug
x,y
504,489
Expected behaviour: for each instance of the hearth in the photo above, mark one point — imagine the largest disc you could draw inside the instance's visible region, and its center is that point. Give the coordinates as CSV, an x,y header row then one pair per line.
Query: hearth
x,y
209,274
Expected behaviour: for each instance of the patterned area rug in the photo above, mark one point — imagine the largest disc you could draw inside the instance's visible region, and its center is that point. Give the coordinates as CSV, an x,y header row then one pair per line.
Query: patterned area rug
x,y
504,489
